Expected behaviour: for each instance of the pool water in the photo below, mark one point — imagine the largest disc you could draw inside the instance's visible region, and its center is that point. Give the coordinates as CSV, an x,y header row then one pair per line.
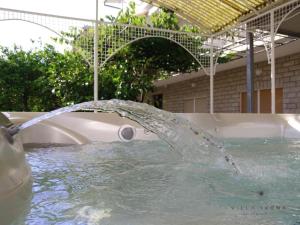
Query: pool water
x,y
148,183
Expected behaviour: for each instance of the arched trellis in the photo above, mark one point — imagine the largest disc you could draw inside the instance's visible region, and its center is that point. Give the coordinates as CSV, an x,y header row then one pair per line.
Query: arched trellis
x,y
206,57
55,24
107,57
114,37
35,23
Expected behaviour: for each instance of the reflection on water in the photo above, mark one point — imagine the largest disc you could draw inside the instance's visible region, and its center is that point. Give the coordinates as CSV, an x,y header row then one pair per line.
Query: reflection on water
x,y
146,183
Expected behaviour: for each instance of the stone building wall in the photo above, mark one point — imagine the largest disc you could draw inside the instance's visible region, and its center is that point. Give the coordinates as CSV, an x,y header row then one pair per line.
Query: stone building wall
x,y
231,83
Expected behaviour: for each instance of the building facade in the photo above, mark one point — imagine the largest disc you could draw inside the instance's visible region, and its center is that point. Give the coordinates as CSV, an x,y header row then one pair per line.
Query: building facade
x,y
188,93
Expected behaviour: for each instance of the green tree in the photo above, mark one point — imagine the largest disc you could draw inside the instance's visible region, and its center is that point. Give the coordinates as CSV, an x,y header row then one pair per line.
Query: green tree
x,y
68,75
42,80
19,70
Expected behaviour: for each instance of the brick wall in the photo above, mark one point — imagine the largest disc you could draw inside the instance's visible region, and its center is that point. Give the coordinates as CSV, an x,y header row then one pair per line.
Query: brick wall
x,y
229,85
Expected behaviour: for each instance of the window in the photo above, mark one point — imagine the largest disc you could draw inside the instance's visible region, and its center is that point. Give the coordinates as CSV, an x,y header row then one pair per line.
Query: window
x,y
262,101
158,101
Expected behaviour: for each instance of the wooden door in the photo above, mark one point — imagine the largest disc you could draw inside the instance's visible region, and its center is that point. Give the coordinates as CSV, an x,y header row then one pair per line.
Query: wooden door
x,y
244,102
265,101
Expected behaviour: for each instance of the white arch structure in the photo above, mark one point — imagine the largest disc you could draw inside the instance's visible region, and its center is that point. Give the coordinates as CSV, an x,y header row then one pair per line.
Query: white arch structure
x,y
205,49
53,23
119,36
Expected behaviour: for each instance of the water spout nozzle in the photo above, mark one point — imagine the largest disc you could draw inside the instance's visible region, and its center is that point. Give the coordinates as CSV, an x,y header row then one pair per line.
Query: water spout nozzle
x,y
9,133
5,133
13,130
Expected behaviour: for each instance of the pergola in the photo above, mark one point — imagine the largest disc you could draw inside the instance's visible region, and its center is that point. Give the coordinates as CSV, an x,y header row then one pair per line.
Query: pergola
x,y
240,26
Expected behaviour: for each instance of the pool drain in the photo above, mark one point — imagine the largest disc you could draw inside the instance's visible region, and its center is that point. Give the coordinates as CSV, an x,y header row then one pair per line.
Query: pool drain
x,y
127,133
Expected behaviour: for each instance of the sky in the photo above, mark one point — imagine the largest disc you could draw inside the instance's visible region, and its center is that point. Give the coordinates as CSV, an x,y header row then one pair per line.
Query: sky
x,y
21,33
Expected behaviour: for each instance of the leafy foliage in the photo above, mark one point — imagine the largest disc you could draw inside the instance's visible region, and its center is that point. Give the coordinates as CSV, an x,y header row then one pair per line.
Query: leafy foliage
x,y
42,80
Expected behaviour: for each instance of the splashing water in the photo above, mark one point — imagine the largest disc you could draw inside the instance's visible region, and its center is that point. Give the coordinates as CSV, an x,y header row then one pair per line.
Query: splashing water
x,y
92,216
189,142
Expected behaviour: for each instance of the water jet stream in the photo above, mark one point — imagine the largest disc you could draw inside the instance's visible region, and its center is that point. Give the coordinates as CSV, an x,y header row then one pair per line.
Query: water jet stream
x,y
177,132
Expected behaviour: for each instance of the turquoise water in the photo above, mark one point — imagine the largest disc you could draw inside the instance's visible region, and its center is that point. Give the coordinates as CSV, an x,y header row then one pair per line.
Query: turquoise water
x,y
148,183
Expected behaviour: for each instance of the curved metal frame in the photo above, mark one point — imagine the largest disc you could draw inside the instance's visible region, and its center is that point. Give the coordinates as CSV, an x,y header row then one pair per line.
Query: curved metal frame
x,y
284,19
146,32
38,24
146,37
48,28
87,59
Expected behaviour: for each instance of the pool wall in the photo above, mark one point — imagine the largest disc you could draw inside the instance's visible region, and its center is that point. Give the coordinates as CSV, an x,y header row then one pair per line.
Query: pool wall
x,y
85,127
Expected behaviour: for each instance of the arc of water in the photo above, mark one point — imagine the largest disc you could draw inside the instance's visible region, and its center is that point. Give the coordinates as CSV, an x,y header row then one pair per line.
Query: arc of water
x,y
177,132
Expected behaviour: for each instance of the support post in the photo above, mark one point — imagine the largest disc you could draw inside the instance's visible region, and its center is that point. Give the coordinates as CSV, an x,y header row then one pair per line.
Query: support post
x,y
212,72
250,73
273,84
96,39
